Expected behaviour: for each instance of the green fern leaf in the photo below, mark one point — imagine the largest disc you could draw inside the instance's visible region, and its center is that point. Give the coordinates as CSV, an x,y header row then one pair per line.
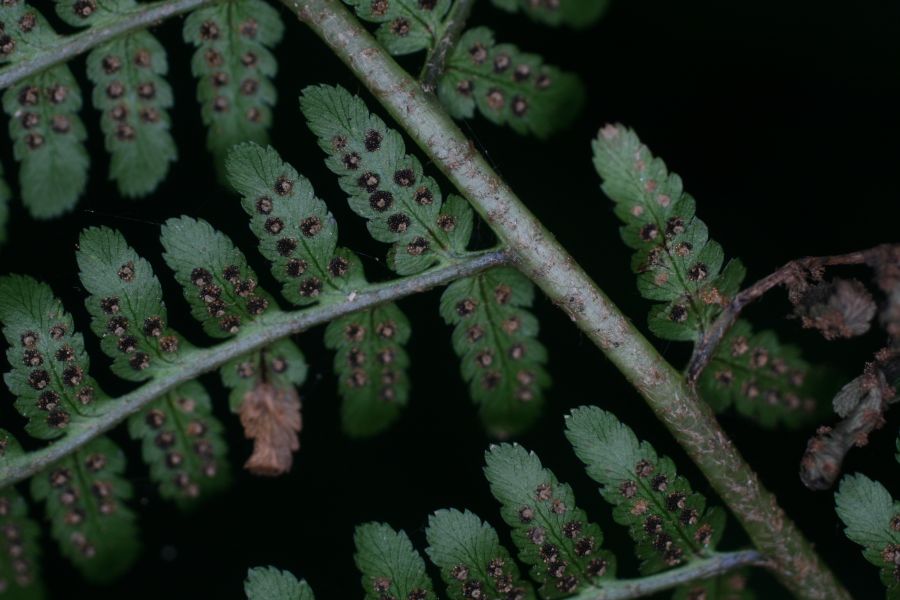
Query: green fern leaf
x,y
406,26
44,124
218,284
299,237
234,68
49,364
281,364
667,520
126,306
19,546
296,232
85,494
496,339
390,565
386,185
552,534
872,520
763,379
183,444
473,563
677,262
574,13
268,583
131,94
371,364
508,86
728,586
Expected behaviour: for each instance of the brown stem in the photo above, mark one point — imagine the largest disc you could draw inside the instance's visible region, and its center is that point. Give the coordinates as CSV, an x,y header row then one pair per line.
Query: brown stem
x,y
794,271
452,28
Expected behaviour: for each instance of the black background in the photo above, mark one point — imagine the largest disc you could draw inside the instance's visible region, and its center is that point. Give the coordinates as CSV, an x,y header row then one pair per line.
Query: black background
x,y
780,116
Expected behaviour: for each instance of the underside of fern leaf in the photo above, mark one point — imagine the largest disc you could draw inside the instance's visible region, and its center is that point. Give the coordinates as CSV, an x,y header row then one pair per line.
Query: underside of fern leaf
x,y
49,365
405,26
299,237
132,96
234,67
473,563
496,339
508,86
552,534
19,548
48,135
678,265
667,520
390,566
84,495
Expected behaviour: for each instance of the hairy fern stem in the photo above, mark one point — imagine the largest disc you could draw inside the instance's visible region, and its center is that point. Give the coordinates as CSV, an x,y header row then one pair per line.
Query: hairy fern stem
x,y
557,273
275,326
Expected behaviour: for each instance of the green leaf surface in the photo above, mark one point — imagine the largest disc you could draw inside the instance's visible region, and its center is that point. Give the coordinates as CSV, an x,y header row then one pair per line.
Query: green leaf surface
x,y
183,444
552,534
667,520
19,544
48,141
386,186
126,306
496,339
508,86
390,566
268,583
573,13
763,379
85,497
371,364
234,68
296,232
405,26
49,375
219,285
872,520
676,262
473,563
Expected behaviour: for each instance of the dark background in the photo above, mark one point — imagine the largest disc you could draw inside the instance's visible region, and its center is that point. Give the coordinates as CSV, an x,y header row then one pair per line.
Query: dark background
x,y
780,116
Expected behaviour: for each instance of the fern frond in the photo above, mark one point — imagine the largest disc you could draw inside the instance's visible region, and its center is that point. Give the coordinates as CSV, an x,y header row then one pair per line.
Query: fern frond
x,y
496,339
371,363
19,547
126,306
728,586
574,13
552,534
667,520
299,237
677,262
872,520
406,26
183,444
49,364
234,68
508,86
268,583
296,232
44,124
473,563
85,495
390,566
132,95
386,185
765,380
